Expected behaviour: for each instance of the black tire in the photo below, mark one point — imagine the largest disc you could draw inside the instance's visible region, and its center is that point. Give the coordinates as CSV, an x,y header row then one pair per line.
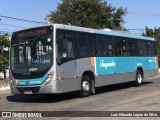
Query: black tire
x,y
85,86
139,78
93,89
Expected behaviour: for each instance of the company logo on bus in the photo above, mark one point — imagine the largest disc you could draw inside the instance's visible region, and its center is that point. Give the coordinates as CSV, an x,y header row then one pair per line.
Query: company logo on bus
x,y
32,69
106,65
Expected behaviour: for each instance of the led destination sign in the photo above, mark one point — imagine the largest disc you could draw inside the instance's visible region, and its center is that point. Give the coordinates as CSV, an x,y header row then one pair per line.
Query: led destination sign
x,y
32,33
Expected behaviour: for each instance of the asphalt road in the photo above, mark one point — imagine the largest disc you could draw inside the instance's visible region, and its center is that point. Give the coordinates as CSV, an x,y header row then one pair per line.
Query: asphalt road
x,y
121,97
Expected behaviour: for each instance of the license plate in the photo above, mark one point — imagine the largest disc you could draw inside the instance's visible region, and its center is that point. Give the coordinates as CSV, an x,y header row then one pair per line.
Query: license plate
x,y
28,92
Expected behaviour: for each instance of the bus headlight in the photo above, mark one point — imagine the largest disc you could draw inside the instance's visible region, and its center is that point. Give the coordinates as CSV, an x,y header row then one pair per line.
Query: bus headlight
x,y
49,78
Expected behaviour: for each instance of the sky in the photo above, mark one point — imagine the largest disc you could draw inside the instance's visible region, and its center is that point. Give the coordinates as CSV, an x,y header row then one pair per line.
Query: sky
x,y
141,13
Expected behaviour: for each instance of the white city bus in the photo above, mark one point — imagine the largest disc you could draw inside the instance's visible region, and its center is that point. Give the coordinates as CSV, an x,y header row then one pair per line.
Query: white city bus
x,y
62,58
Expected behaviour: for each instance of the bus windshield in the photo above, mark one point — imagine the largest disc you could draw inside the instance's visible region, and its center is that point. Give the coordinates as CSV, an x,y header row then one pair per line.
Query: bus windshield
x,y
32,55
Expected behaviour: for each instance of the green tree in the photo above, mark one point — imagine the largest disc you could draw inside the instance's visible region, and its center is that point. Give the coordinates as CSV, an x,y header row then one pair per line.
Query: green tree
x,y
88,13
4,55
156,34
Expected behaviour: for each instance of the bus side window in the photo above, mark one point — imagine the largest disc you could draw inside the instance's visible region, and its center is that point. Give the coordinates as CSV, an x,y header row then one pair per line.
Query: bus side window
x,y
65,47
101,45
124,47
92,44
83,45
109,46
151,48
117,46
70,46
132,47
142,48
60,47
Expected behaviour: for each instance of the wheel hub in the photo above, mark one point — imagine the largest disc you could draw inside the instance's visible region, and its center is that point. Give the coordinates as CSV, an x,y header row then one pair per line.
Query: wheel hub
x,y
86,86
139,78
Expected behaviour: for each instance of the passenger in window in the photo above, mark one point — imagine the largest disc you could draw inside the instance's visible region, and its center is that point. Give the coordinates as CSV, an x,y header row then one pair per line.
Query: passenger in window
x,y
70,49
64,54
99,53
62,48
83,51
93,52
110,53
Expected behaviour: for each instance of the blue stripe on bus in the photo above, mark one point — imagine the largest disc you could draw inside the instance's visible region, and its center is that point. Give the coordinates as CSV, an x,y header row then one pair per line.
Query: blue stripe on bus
x,y
111,65
30,82
123,35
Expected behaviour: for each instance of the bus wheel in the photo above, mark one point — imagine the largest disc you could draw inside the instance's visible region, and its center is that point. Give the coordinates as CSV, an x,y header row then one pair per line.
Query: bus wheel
x,y
85,86
139,78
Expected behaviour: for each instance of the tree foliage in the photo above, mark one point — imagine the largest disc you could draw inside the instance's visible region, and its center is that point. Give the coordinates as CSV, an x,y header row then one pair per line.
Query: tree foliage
x,y
88,13
156,34
4,56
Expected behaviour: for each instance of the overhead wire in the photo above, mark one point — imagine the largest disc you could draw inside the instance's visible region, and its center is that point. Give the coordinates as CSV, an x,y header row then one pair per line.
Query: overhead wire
x,y
20,19
38,22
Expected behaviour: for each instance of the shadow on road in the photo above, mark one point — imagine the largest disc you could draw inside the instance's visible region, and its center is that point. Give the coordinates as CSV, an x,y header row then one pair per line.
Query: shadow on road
x,y
111,88
67,96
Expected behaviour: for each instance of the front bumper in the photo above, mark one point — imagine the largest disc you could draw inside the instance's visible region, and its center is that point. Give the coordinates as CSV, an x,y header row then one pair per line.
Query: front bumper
x,y
46,88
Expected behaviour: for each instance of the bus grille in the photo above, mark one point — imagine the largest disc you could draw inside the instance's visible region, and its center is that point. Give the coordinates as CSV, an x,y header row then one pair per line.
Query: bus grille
x,y
33,89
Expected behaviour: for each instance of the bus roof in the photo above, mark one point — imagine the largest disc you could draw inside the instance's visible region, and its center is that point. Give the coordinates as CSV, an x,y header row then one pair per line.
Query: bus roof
x,y
96,31
106,32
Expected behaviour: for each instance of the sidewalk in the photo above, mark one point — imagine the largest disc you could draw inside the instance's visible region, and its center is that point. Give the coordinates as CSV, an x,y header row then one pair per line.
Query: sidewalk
x,y
4,84
5,88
